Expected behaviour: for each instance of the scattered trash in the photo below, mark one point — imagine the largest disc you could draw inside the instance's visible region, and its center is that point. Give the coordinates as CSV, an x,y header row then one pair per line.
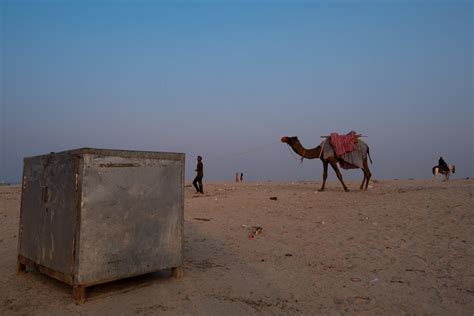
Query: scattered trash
x,y
416,270
359,300
356,279
254,230
202,219
373,281
274,198
197,196
396,281
288,255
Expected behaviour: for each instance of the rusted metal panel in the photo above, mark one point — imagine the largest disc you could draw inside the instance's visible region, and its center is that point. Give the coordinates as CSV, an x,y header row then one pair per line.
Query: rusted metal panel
x,y
131,216
93,215
49,211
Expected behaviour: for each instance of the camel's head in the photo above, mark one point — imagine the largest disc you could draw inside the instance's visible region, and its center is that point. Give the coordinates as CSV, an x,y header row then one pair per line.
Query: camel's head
x,y
288,140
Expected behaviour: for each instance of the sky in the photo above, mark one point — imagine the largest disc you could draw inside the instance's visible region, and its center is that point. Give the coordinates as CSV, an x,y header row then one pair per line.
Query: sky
x,y
227,79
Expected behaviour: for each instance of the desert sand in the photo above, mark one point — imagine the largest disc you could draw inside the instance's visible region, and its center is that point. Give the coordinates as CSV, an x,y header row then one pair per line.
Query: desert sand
x,y
402,247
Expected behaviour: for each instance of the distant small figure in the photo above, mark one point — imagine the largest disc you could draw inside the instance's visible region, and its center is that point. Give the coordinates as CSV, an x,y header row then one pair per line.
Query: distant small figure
x,y
241,177
197,182
442,164
443,168
236,177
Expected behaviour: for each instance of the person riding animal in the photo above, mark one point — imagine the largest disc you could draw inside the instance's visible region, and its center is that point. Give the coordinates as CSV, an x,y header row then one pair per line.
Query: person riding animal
x,y
443,168
443,165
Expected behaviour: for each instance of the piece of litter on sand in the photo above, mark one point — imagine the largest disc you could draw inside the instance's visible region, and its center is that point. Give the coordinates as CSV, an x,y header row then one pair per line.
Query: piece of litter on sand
x,y
396,281
359,300
257,230
288,255
274,198
202,219
373,281
254,231
356,279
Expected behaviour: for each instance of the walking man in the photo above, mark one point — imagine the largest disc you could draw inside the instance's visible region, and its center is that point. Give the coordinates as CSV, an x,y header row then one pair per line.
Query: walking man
x,y
197,182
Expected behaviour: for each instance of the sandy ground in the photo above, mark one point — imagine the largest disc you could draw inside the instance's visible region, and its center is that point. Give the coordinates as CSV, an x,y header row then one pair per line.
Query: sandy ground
x,y
403,247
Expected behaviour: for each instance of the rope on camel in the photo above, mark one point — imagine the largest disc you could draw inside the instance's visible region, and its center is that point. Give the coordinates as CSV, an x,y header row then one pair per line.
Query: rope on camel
x,y
251,150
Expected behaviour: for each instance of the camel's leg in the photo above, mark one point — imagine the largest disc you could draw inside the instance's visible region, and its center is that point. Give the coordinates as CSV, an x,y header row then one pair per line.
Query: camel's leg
x,y
363,180
325,174
367,174
338,173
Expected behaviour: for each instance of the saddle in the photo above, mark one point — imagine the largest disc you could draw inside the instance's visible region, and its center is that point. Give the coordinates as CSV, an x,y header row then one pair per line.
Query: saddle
x,y
343,144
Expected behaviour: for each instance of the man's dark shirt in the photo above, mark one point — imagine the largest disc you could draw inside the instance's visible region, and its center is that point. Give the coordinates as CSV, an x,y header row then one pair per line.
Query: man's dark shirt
x,y
200,169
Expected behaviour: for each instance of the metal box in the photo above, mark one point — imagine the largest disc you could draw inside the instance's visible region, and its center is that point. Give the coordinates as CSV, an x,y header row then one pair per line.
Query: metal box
x,y
90,216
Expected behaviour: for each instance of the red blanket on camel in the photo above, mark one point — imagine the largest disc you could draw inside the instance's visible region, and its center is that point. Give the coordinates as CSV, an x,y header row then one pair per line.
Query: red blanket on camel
x,y
343,143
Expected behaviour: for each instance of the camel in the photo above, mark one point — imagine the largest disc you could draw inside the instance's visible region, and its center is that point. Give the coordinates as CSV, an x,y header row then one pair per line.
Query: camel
x,y
313,153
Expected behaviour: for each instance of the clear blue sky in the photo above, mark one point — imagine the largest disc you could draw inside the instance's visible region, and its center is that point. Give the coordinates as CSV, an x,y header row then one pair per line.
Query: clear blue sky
x,y
227,79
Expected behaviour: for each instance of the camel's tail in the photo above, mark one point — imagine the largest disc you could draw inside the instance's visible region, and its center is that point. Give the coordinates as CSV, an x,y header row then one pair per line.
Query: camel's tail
x,y
368,154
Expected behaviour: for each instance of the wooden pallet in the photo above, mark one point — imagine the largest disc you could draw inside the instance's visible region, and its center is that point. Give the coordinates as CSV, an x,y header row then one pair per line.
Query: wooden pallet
x,y
78,290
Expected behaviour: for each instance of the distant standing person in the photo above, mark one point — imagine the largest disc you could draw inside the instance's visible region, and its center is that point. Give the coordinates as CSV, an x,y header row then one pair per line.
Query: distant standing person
x,y
241,177
197,182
